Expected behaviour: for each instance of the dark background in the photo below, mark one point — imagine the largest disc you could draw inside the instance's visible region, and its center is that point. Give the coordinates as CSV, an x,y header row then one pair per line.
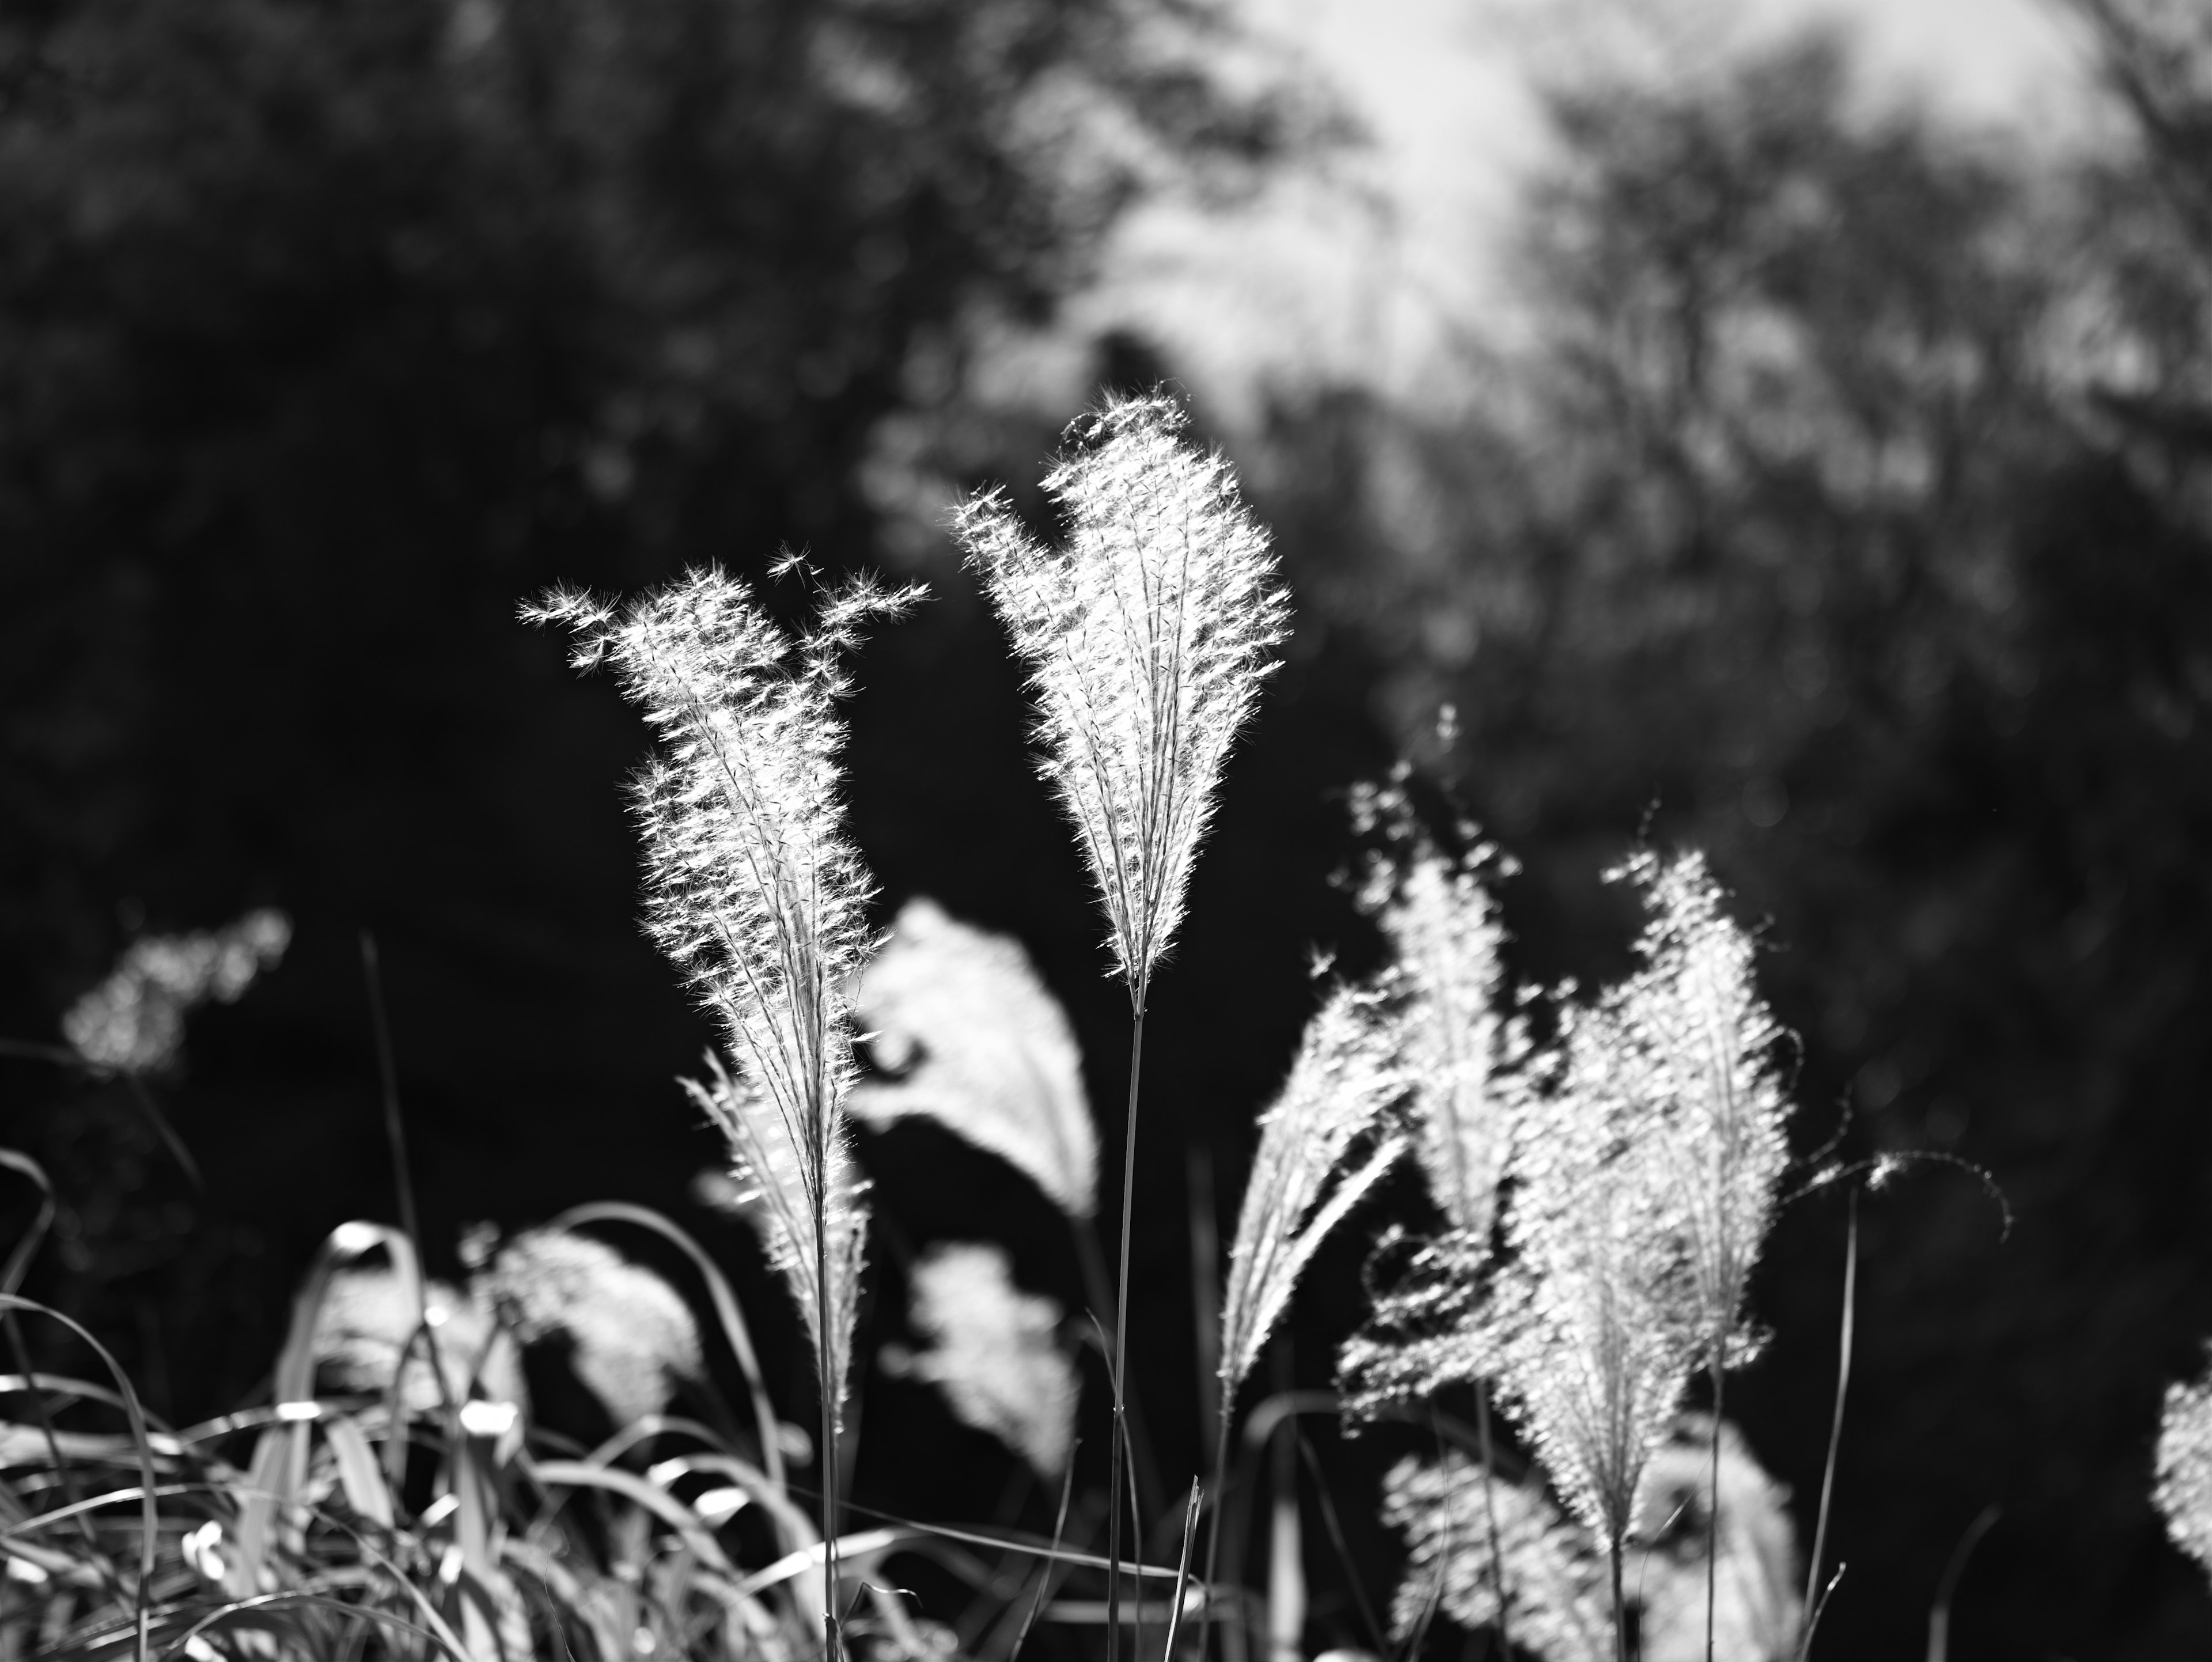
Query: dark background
x,y
1846,514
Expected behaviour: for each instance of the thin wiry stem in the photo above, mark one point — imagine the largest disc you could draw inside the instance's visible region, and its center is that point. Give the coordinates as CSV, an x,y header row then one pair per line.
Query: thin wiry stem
x,y
1813,1601
1116,1363
1490,1512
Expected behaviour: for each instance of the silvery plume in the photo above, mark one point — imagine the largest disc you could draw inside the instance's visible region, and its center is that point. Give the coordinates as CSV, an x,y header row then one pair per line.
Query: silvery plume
x,y
1443,982
755,893
1342,1087
1453,1513
1704,1046
133,1022
993,1354
1146,639
1595,1321
2185,1468
630,1338
1755,1579
972,1040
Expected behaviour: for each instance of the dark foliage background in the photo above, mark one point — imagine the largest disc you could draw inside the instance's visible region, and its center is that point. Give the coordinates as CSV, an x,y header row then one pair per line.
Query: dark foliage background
x,y
1846,515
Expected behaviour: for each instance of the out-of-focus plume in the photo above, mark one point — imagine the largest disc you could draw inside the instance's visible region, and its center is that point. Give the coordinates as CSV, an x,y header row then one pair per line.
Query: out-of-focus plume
x,y
2185,1468
133,1022
1757,1601
1555,1580
754,892
368,1317
1443,981
632,1339
992,1353
1147,638
977,1044
1554,1571
1345,1079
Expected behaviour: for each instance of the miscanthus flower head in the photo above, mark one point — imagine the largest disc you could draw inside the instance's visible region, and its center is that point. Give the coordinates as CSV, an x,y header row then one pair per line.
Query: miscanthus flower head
x,y
752,889
1444,981
1595,1322
2185,1469
1699,1048
133,1022
1340,1089
1146,638
994,1352
972,1040
818,1248
630,1338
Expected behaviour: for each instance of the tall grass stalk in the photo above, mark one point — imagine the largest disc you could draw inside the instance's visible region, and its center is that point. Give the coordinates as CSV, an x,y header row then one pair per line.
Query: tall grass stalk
x,y
756,894
1147,638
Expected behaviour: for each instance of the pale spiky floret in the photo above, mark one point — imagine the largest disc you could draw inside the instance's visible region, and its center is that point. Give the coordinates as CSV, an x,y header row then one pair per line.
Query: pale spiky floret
x,y
1444,977
1596,1319
134,1022
993,1354
1705,1045
776,1196
1340,1089
631,1339
1555,1584
1147,639
752,888
978,1045
2185,1468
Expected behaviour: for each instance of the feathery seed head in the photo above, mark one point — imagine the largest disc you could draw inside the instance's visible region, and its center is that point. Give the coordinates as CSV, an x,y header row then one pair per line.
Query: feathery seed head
x,y
752,889
1596,1322
2185,1469
1443,980
1341,1090
632,1337
133,1022
978,1044
1699,1051
1146,638
993,1354
778,1178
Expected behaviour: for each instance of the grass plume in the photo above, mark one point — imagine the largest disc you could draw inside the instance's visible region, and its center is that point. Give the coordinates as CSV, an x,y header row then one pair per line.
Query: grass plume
x,y
755,893
973,1040
1147,639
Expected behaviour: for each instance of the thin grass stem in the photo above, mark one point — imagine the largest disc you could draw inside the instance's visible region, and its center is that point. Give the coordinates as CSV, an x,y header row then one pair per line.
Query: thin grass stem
x,y
1117,1363
1719,1365
1813,1605
1489,1511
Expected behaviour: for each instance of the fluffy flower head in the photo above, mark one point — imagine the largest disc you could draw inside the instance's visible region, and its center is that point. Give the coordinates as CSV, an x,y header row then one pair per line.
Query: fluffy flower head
x,y
977,1044
753,890
1146,638
1343,1083
993,1354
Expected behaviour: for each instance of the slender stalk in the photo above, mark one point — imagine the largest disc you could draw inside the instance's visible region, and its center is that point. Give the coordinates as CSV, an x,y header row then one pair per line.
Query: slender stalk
x,y
1713,1511
1620,1602
1835,1431
1490,1509
1220,1487
1117,1364
829,1646
395,1130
